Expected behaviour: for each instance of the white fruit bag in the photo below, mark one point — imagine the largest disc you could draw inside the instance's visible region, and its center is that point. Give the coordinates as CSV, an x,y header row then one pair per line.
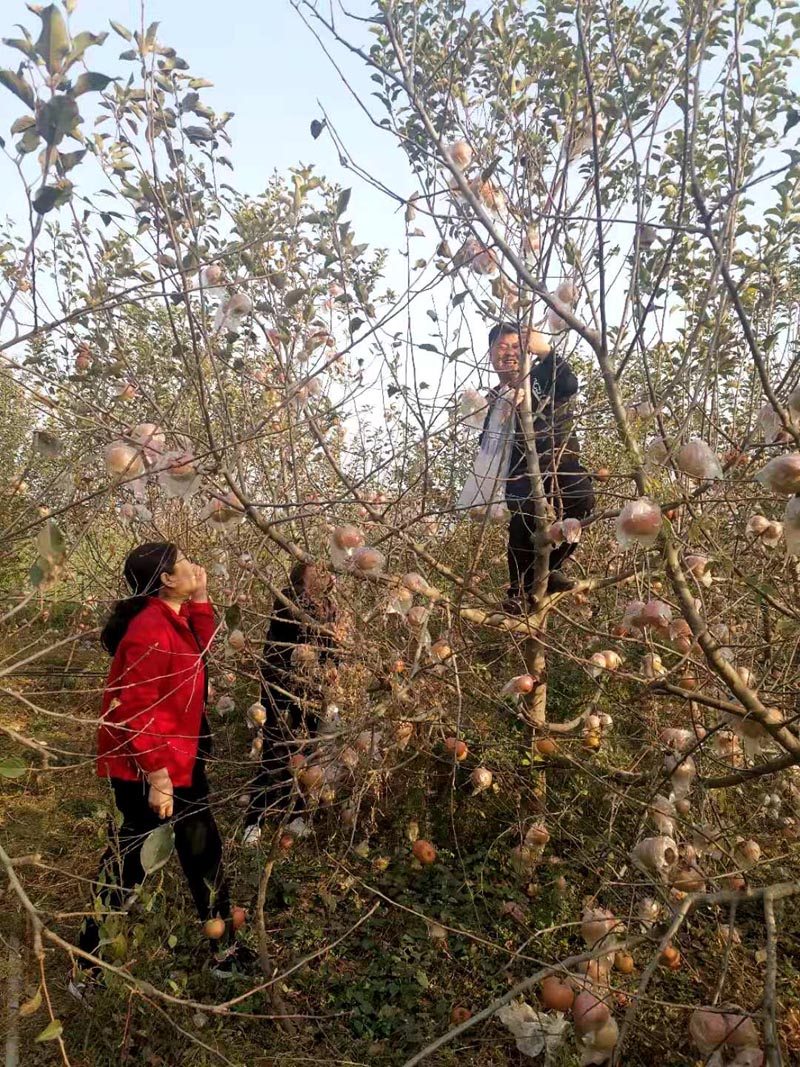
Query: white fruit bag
x,y
484,490
535,1032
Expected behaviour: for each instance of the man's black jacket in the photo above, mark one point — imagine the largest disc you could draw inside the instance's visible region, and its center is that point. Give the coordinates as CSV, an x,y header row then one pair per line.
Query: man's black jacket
x,y
553,384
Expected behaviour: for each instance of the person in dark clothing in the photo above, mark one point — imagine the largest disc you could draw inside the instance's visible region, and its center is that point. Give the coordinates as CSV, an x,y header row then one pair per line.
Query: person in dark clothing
x,y
154,738
292,696
567,483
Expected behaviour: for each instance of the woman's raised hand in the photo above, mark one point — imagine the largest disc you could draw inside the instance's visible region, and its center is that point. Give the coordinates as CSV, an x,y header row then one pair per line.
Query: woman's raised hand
x,y
201,591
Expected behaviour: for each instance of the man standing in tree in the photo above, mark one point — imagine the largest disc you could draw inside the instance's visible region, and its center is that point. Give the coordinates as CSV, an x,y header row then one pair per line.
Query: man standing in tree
x,y
502,457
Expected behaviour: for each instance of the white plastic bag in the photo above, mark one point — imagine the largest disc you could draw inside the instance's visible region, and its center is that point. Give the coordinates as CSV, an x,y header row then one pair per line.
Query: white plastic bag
x,y
535,1032
472,408
485,488
698,460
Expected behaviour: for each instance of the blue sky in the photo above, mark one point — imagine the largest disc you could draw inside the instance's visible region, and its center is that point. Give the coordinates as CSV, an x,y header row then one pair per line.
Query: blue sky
x,y
267,68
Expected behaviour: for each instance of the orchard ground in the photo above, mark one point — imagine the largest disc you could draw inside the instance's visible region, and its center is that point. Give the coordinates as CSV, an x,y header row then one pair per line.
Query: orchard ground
x,y
389,986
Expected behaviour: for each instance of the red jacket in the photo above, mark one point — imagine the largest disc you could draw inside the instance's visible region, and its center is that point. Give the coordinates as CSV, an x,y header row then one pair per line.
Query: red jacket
x,y
155,694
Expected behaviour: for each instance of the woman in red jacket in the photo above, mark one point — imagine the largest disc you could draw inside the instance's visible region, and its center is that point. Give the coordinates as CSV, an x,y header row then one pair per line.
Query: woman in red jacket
x,y
155,738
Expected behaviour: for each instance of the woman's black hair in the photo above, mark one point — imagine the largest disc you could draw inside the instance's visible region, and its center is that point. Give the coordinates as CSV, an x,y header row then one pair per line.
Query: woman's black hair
x,y
324,608
297,576
143,569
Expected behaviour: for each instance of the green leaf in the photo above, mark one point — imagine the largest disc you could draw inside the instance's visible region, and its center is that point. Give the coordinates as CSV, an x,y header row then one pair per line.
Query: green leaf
x,y
25,122
150,36
68,160
51,1031
176,63
118,947
52,196
356,323
13,767
81,42
50,542
92,82
342,202
120,29
293,297
157,848
31,1006
29,142
57,118
198,134
190,102
18,87
21,46
53,44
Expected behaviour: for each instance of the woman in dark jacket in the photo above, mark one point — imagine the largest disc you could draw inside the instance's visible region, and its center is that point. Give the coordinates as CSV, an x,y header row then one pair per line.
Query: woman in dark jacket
x,y
292,694
154,737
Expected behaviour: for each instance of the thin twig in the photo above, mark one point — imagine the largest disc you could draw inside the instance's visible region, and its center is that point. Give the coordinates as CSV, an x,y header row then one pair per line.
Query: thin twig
x,y
726,957
771,1040
266,961
13,985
